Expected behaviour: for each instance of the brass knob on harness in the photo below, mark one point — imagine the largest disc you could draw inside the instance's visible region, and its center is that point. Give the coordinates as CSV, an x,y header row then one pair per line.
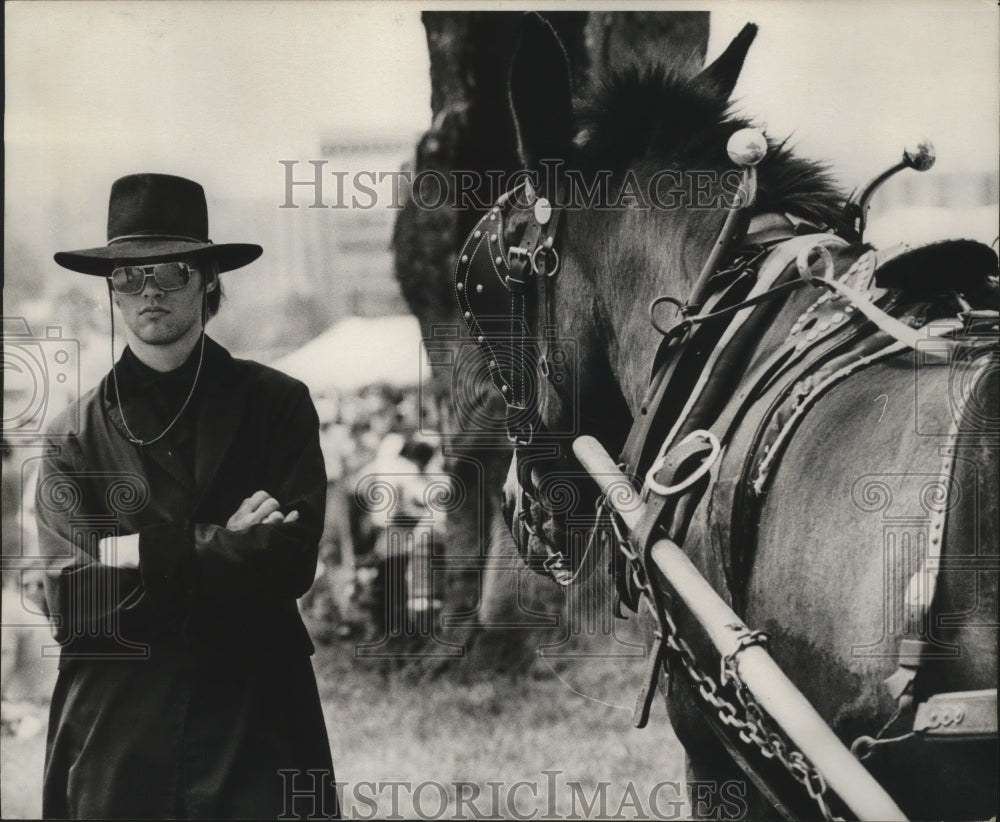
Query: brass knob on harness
x,y
747,147
919,154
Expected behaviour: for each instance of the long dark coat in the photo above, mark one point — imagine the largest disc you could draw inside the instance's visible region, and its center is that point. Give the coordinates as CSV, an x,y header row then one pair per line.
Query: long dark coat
x,y
185,687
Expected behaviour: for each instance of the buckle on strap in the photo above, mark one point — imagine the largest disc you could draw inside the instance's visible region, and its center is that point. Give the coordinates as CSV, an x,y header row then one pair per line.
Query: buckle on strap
x,y
521,436
709,439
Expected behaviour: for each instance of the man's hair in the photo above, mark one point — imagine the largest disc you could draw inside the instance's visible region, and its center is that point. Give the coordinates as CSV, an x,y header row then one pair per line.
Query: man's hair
x,y
208,270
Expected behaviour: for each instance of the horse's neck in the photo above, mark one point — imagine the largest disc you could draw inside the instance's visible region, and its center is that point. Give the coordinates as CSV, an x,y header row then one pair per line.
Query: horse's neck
x,y
632,357
635,340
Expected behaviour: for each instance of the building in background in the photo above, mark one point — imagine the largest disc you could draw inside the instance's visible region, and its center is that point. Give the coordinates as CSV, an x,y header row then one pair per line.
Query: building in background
x,y
327,252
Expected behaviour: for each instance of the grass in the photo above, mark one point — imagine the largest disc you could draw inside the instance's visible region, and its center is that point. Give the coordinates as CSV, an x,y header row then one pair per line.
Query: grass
x,y
431,733
500,729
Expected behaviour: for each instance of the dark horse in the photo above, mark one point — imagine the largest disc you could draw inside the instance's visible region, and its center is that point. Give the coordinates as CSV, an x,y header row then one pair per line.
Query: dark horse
x,y
885,459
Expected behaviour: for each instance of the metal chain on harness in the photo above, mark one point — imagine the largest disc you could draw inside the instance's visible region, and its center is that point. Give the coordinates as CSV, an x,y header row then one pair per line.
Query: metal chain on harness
x,y
746,715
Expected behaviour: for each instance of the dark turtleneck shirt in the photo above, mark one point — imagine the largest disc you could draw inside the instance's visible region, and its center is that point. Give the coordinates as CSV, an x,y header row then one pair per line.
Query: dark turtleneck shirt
x,y
164,393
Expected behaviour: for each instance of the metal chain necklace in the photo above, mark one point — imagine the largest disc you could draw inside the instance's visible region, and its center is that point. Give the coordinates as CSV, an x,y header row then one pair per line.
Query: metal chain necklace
x,y
194,384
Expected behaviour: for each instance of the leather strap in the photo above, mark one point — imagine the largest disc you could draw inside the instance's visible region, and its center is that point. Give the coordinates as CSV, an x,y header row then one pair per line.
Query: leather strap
x,y
911,337
686,461
647,687
660,406
777,261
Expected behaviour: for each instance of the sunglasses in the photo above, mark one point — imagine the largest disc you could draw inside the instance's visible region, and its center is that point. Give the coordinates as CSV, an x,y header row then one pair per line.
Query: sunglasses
x,y
131,279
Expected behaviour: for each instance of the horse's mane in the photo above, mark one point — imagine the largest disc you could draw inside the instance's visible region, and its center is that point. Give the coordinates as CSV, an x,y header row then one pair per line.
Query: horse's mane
x,y
653,114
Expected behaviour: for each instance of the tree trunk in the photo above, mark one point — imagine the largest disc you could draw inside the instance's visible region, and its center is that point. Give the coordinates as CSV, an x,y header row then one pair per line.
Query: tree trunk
x,y
472,130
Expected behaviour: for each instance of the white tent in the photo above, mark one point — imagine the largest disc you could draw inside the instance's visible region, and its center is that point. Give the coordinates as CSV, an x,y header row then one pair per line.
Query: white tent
x,y
360,351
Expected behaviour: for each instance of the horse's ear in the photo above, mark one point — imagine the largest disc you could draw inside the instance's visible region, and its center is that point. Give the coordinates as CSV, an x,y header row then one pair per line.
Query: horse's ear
x,y
541,96
725,71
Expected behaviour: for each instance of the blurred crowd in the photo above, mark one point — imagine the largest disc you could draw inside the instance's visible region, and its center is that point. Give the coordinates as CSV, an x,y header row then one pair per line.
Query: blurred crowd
x,y
28,654
384,471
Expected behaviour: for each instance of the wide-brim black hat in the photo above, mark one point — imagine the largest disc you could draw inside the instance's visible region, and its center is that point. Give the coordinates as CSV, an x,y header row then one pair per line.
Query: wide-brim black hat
x,y
152,218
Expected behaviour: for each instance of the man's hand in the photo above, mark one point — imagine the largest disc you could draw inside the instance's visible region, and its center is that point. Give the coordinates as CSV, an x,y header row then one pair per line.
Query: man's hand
x,y
120,552
260,508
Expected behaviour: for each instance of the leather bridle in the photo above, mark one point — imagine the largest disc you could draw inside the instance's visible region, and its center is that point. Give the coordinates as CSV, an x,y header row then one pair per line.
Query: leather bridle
x,y
506,293
505,286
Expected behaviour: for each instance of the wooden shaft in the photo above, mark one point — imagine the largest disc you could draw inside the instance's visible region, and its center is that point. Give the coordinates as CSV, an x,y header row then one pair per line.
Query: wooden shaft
x,y
766,681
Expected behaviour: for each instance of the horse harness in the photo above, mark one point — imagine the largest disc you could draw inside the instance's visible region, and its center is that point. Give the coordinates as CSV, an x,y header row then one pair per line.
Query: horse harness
x,y
508,304
877,309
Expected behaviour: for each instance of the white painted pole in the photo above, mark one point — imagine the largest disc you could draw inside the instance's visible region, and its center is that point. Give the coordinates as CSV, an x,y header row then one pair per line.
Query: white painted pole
x,y
769,685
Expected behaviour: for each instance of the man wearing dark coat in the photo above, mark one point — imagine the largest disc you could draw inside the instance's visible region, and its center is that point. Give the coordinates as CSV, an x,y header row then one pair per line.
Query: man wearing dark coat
x,y
180,506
